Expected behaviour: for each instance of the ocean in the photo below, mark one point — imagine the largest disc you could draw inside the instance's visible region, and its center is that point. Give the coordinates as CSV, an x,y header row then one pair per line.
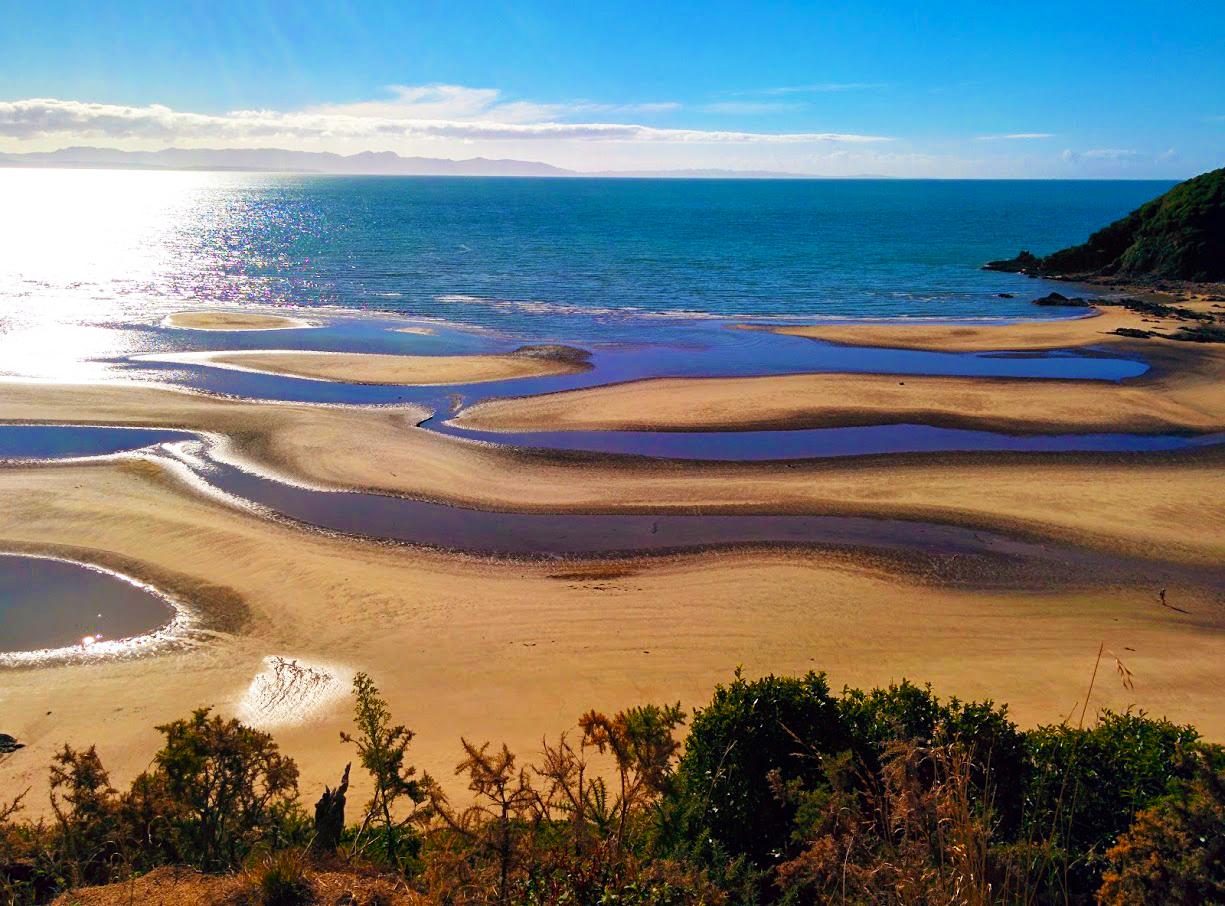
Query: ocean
x,y
604,257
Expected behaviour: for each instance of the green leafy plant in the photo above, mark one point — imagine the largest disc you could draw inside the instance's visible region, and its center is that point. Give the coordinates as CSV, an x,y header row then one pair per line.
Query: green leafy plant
x,y
382,748
228,788
750,729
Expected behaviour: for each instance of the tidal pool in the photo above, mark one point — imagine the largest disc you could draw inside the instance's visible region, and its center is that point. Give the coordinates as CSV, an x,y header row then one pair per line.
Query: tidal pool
x,y
48,603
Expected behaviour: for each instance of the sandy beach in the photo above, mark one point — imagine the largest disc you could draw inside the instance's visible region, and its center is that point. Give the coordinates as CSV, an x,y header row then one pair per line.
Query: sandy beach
x,y
514,649
826,400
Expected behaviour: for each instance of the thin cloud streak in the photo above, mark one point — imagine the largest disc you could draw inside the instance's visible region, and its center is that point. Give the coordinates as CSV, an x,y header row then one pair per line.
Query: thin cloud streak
x,y
1015,135
457,102
1100,154
37,117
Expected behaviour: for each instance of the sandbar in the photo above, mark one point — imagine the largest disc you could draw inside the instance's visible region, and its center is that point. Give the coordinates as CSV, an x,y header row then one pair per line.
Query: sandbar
x,y
371,368
1129,503
1096,327
1171,403
227,320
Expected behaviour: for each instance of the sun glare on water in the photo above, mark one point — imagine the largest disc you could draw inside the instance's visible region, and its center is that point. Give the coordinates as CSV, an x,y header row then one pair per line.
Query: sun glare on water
x,y
86,249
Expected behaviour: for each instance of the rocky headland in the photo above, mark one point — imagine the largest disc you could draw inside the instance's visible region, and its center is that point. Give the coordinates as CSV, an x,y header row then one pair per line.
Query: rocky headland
x,y
1178,236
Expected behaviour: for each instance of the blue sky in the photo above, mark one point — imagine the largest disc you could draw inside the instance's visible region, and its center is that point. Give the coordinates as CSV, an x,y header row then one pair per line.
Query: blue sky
x,y
1126,89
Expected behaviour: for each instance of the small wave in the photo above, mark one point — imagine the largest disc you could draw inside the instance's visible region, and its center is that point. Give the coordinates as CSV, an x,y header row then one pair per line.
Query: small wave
x,y
632,313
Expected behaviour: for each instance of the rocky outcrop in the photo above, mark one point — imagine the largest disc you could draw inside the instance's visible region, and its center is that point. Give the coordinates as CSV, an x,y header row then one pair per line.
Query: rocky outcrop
x,y
1178,236
1063,301
554,352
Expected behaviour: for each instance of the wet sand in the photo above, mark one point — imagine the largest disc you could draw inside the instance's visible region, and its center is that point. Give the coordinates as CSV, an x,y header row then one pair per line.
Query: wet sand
x,y
369,368
219,320
1121,502
514,650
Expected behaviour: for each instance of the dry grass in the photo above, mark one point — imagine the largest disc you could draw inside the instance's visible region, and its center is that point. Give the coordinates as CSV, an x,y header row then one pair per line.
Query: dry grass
x,y
174,886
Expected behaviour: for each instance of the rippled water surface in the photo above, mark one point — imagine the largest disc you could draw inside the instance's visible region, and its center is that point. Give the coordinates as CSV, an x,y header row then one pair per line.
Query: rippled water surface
x,y
515,254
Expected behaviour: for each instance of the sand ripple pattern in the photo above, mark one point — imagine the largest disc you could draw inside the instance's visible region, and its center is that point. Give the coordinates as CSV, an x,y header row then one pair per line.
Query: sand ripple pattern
x,y
293,693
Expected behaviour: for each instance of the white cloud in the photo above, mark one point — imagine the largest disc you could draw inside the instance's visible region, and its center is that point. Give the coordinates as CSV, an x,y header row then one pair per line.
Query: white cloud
x,y
1015,135
1099,154
456,102
39,117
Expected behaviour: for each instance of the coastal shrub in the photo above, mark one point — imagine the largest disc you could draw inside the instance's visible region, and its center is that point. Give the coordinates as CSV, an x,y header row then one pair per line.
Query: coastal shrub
x,y
1174,852
920,833
91,839
563,877
222,788
382,748
643,745
27,873
1087,785
552,832
750,730
499,833
1084,787
1177,235
994,749
783,792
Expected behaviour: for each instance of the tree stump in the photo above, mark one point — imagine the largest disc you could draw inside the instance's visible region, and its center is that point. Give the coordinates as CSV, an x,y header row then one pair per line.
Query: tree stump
x,y
330,815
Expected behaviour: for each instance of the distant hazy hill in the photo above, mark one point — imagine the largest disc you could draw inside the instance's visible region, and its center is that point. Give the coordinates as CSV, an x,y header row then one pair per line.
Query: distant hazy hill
x,y
367,163
272,159
1178,236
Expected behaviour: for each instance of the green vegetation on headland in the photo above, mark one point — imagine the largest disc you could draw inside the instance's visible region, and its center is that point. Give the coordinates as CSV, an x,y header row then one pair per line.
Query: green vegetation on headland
x,y
1178,236
782,792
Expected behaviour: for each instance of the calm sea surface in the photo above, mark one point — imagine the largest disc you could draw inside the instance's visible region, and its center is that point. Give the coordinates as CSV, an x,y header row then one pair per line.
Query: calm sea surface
x,y
525,255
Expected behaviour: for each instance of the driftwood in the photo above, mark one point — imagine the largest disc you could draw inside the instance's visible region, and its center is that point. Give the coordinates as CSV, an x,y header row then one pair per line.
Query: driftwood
x,y
330,815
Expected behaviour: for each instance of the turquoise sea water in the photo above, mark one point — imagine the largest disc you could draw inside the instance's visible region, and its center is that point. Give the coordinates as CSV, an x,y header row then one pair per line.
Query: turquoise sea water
x,y
523,255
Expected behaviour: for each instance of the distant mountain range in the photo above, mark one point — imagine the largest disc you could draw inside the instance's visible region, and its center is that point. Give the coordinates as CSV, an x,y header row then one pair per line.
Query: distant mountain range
x,y
367,163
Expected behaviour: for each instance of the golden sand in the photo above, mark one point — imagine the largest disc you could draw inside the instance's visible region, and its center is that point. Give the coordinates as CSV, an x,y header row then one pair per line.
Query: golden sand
x,y
827,400
1096,327
511,651
1100,500
225,320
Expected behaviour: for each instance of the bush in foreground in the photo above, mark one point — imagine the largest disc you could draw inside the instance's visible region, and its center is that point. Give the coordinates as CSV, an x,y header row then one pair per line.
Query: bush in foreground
x,y
783,792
